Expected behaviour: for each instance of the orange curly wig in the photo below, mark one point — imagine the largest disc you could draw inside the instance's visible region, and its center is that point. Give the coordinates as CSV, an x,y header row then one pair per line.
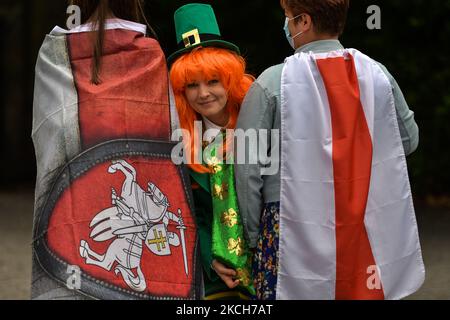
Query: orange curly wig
x,y
207,64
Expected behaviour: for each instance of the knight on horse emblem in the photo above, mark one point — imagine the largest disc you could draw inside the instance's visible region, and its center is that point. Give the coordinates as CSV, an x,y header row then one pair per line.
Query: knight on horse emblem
x,y
137,217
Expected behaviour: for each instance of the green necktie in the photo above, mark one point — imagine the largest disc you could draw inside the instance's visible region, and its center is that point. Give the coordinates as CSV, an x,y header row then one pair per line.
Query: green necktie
x,y
228,243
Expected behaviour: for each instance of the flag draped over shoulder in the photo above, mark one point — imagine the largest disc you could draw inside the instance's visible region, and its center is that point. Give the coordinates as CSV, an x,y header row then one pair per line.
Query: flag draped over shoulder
x,y
109,200
347,223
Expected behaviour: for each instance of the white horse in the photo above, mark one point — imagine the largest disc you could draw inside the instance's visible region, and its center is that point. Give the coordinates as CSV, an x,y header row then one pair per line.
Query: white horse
x,y
134,210
127,252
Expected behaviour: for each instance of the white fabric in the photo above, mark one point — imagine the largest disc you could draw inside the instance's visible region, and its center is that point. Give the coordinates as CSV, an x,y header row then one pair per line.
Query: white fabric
x,y
307,261
109,25
212,130
306,272
56,132
390,218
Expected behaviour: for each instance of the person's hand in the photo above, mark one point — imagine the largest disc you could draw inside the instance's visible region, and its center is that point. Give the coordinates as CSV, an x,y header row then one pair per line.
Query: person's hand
x,y
227,275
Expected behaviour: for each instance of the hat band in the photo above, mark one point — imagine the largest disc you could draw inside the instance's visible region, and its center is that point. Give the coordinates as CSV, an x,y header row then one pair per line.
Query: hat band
x,y
193,38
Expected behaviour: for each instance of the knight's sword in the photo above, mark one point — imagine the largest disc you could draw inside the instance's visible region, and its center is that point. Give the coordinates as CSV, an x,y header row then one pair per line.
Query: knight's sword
x,y
182,229
132,230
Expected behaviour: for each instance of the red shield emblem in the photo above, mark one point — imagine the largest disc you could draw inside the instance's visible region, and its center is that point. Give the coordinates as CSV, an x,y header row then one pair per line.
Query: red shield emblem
x,y
126,221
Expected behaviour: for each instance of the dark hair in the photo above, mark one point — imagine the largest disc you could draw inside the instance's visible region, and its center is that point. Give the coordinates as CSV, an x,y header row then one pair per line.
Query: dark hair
x,y
328,16
96,11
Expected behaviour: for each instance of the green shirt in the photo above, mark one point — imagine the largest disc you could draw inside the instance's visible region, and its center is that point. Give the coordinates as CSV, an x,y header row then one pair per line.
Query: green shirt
x,y
262,110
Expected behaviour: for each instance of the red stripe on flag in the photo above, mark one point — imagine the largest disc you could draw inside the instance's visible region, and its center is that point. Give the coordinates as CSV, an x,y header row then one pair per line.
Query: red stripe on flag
x,y
352,163
132,102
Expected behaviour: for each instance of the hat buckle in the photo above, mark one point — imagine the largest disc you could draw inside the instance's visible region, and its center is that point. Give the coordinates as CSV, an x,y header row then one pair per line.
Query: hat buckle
x,y
191,35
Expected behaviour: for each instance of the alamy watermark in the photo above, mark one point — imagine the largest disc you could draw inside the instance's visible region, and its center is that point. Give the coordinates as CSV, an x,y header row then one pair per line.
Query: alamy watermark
x,y
252,147
374,20
74,280
374,280
74,19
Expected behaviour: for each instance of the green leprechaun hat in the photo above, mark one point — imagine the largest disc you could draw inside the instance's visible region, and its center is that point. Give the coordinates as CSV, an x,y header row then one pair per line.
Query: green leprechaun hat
x,y
196,26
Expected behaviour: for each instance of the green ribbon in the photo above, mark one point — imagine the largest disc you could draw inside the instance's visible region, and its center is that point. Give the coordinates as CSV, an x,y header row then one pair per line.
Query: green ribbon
x,y
228,242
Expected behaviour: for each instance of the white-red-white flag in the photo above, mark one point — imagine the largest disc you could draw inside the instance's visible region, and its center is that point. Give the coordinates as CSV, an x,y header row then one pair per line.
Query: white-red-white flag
x,y
347,223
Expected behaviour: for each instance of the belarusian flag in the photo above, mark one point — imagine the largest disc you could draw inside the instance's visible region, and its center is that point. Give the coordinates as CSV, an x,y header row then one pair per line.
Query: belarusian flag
x,y
347,223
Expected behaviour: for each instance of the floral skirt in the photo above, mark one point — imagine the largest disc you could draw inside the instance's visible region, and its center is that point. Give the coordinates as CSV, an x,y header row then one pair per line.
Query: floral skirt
x,y
265,261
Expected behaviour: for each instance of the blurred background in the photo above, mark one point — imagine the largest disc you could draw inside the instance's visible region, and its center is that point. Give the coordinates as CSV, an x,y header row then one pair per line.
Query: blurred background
x,y
412,43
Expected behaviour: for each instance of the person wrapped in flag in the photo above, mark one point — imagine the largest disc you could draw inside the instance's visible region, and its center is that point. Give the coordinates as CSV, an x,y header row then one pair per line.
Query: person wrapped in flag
x,y
113,214
209,82
337,221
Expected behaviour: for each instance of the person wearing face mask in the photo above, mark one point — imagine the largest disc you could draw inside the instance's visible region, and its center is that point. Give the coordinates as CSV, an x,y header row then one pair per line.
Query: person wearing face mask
x,y
209,81
291,39
337,220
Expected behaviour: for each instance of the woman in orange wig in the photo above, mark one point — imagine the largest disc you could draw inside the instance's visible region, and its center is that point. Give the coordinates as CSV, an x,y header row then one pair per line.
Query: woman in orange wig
x,y
209,85
209,82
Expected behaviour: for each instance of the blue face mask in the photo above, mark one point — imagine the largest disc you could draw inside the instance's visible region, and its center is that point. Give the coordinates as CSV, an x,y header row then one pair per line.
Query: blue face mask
x,y
289,38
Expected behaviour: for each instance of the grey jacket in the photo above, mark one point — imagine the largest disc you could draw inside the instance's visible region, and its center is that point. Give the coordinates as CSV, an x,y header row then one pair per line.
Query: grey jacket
x,y
261,110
